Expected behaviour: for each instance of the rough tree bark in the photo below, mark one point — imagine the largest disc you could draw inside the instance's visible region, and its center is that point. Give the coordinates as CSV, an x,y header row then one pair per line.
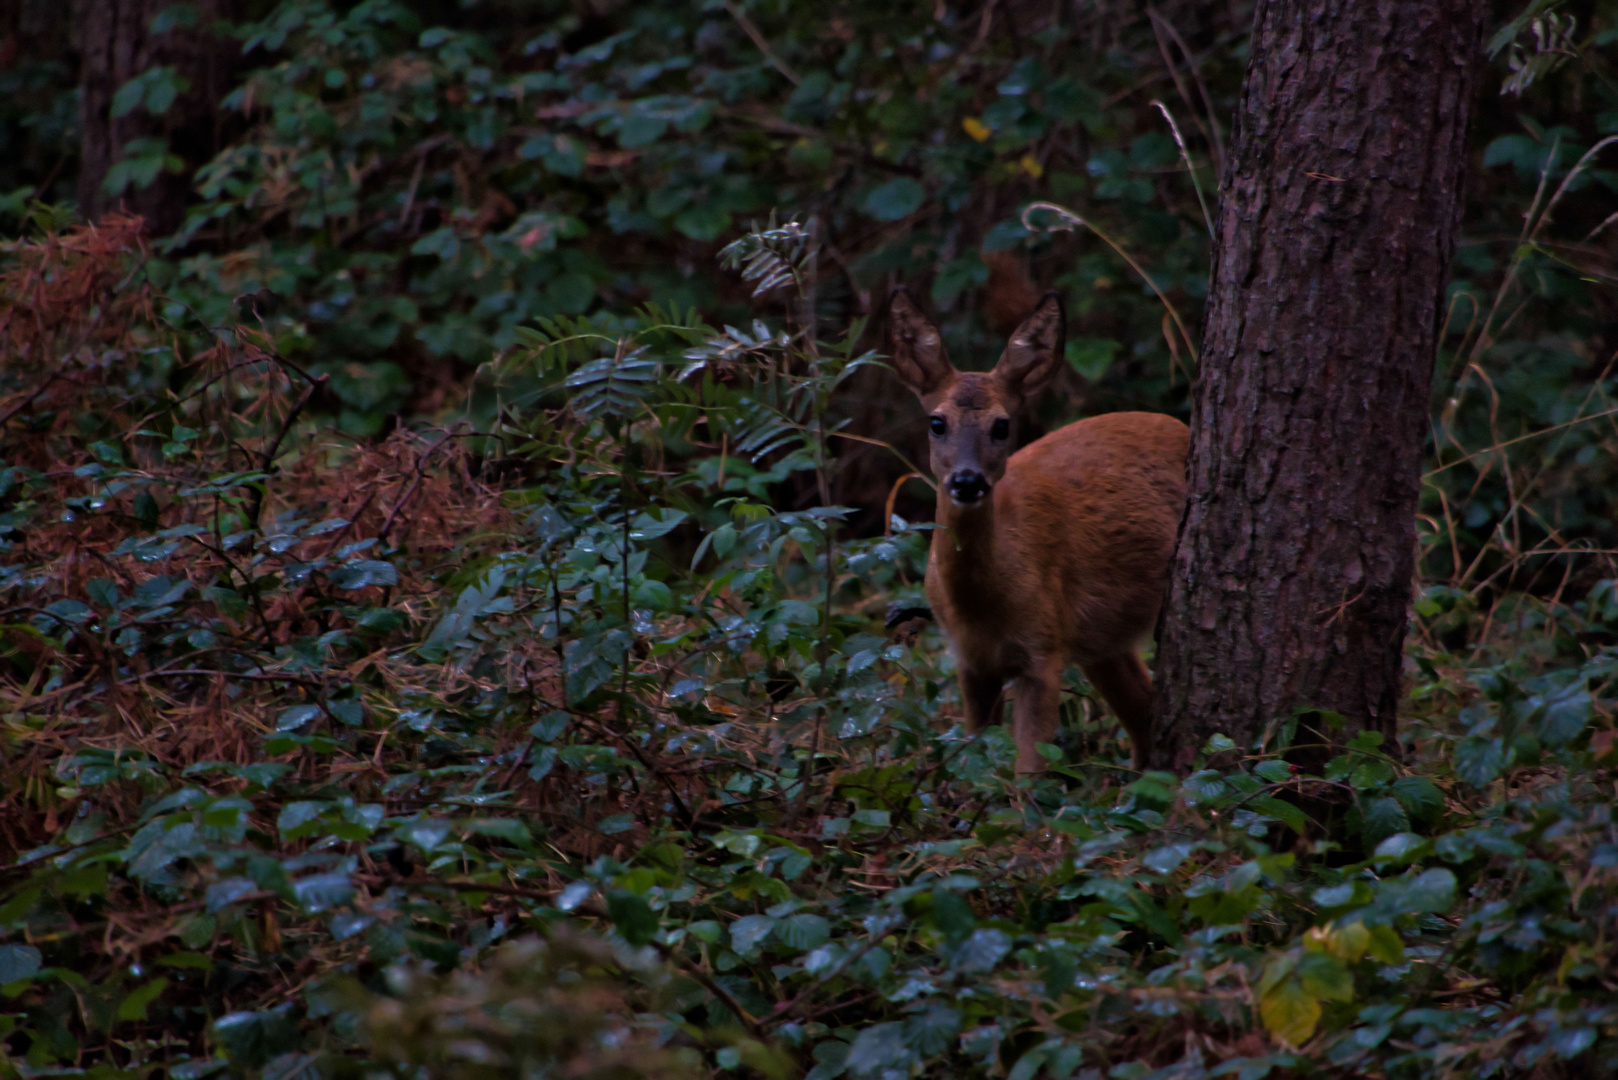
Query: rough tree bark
x,y
115,43
1292,576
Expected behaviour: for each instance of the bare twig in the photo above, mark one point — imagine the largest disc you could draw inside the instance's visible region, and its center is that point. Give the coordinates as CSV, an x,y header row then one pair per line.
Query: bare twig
x,y
415,482
255,504
762,42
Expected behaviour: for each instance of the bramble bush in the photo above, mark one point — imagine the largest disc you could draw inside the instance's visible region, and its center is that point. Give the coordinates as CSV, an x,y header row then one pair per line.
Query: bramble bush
x,y
556,730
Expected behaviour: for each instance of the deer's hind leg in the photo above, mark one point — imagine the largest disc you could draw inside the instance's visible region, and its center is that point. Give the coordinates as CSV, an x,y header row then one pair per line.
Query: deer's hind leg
x,y
1127,686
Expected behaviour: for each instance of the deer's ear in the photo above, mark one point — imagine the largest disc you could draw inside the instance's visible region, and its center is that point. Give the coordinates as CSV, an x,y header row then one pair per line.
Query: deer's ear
x,y
1034,353
914,346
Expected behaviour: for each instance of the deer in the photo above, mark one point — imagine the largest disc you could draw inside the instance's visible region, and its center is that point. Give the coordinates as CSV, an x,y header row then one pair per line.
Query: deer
x,y
1056,554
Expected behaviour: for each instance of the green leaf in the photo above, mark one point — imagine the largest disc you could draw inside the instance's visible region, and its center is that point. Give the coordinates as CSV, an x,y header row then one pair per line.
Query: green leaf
x,y
705,221
1563,714
1281,810
895,199
1383,817
1091,357
128,97
956,276
1420,797
510,830
1401,845
952,914
747,931
319,892
933,1030
981,951
1167,859
1325,977
1478,760
298,818
364,573
134,1006
803,931
632,916
879,1050
1028,1065
615,823
1386,946
187,961
18,962
293,718
250,1039
380,622
1430,891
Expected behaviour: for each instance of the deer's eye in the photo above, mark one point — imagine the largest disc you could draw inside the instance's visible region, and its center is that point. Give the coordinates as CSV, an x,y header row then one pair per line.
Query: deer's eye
x,y
939,426
1000,429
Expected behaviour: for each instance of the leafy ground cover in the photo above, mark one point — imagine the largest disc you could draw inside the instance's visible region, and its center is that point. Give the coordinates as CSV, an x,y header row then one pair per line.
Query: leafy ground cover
x,y
556,747
443,603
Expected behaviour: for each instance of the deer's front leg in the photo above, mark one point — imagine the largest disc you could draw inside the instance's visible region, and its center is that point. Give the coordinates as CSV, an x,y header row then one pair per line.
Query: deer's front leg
x,y
1036,697
980,698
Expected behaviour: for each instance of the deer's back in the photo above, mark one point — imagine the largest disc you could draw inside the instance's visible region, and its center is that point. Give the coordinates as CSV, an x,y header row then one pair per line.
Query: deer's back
x,y
1086,518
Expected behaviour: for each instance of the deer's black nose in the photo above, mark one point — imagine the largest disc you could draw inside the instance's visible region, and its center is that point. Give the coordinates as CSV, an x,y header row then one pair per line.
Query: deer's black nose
x,y
966,485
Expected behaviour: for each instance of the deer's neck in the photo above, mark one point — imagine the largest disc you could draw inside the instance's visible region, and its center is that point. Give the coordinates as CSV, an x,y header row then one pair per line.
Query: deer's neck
x,y
965,550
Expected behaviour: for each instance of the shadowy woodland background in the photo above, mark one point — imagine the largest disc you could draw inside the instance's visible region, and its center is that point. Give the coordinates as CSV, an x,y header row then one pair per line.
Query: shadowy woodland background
x,y
442,593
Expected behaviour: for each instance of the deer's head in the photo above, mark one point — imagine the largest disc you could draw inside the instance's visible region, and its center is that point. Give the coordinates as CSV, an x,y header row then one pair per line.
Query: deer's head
x,y
972,416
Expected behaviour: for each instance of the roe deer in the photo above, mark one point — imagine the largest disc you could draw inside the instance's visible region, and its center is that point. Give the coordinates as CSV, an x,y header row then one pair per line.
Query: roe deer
x,y
1053,555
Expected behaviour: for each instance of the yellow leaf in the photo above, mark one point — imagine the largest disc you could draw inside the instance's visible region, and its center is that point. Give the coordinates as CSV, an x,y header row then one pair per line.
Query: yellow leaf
x,y
1290,1012
1347,943
1386,946
1031,166
976,128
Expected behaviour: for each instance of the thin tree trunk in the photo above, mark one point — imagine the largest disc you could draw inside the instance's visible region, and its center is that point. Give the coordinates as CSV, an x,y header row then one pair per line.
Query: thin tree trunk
x,y
1292,576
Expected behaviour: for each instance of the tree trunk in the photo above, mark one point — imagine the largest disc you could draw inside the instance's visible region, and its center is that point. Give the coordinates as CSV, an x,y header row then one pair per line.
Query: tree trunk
x,y
1292,576
116,43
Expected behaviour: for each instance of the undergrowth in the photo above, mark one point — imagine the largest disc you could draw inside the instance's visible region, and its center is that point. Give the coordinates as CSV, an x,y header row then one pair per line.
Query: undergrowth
x,y
557,748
